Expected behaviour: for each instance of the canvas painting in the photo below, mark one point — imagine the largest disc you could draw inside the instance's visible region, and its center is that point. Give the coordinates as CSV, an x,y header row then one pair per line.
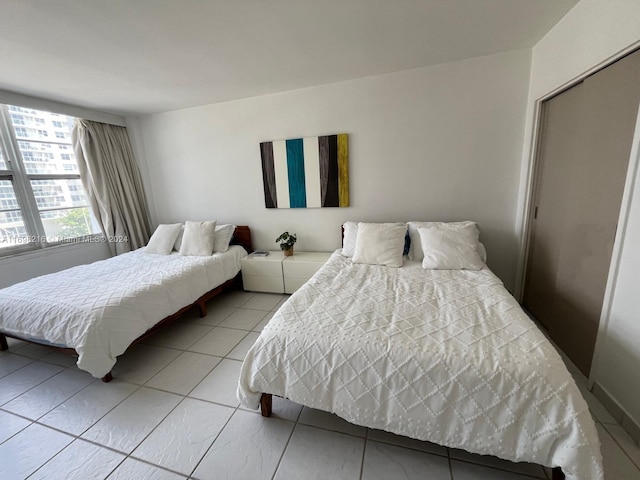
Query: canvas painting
x,y
306,172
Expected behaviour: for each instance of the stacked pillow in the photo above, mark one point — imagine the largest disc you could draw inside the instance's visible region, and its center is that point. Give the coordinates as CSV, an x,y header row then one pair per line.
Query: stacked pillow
x,y
438,245
375,243
192,238
163,239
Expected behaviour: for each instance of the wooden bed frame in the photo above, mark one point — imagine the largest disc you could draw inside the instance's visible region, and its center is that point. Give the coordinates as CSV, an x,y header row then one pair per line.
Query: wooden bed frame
x,y
241,236
266,405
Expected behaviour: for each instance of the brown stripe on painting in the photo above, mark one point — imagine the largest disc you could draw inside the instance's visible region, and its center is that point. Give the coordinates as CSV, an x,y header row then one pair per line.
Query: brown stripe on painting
x,y
330,175
268,175
343,170
323,159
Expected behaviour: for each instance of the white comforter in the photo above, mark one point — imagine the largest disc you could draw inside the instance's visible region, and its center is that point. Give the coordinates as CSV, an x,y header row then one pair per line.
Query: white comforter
x,y
100,308
443,356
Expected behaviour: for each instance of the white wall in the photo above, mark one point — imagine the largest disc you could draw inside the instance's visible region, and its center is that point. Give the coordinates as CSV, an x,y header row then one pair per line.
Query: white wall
x,y
434,143
593,32
22,267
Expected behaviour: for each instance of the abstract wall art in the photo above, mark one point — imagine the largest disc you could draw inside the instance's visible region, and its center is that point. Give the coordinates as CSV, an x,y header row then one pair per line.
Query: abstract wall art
x,y
306,172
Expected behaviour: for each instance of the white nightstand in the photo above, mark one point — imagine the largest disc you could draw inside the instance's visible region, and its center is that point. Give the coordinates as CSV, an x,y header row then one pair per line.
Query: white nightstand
x,y
263,274
276,273
300,267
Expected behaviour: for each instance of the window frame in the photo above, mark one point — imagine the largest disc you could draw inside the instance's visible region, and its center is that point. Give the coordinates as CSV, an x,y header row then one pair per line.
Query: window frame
x,y
21,182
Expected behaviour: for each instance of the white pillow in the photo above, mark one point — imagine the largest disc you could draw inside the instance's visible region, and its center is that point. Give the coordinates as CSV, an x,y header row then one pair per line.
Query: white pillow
x,y
222,237
349,238
163,239
415,251
198,238
380,244
450,248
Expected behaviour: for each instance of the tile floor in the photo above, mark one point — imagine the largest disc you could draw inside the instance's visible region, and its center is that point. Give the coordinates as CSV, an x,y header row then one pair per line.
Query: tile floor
x,y
172,413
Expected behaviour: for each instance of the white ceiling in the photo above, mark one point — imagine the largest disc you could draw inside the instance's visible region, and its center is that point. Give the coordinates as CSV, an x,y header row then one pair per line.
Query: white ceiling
x,y
147,56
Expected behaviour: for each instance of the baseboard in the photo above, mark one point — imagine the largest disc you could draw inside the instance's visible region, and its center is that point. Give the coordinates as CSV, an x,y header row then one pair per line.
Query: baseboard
x,y
617,412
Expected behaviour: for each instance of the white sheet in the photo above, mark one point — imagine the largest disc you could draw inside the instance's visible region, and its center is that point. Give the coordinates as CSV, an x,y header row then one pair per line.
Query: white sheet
x,y
100,308
443,356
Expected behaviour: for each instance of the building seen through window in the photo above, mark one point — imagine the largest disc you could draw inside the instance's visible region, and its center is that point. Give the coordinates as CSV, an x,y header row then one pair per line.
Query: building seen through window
x,y
42,200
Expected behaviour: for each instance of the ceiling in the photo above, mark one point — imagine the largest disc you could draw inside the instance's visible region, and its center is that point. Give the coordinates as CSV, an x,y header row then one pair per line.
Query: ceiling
x,y
148,56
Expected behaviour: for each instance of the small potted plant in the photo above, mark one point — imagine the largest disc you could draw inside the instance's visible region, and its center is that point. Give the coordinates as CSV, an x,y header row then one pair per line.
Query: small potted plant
x,y
287,240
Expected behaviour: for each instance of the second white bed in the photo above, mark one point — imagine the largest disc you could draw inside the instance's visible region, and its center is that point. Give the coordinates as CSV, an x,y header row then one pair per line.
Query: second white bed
x,y
439,355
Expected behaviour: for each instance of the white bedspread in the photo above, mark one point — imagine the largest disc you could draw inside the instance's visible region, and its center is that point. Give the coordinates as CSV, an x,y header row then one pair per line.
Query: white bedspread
x,y
100,308
443,356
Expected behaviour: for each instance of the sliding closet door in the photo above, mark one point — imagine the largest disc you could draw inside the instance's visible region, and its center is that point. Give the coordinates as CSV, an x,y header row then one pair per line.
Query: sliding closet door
x,y
585,145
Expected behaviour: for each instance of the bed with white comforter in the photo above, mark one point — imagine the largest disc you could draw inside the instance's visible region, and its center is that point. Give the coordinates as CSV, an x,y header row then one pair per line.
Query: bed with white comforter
x,y
101,308
446,356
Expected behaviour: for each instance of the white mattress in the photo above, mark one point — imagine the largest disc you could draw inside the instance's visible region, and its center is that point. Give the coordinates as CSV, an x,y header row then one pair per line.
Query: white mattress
x,y
443,356
100,308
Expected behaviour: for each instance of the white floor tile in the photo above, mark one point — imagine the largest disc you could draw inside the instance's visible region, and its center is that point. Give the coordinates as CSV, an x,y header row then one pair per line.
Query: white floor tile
x,y
49,394
219,342
60,358
87,407
399,440
263,322
491,461
471,471
281,408
617,465
10,363
329,421
142,362
244,319
263,301
215,314
383,461
221,384
234,299
239,352
249,447
10,425
34,351
179,335
314,453
24,379
182,439
281,302
627,444
124,427
15,344
184,373
285,409
132,469
25,452
598,411
80,461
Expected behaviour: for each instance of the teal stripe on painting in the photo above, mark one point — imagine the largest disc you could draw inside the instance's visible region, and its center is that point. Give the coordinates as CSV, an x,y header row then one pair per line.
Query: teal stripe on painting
x,y
295,168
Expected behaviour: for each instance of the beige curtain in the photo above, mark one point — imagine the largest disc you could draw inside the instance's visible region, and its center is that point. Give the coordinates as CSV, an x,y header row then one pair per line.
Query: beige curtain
x,y
112,181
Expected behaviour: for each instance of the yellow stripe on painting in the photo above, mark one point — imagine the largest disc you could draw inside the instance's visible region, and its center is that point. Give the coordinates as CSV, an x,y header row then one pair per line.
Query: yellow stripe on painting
x,y
343,169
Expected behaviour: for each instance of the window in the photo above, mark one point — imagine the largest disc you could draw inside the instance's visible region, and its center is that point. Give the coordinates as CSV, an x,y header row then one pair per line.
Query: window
x,y
42,200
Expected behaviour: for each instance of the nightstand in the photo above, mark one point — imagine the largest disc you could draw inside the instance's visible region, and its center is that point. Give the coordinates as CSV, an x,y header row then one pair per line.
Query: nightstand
x,y
263,274
300,267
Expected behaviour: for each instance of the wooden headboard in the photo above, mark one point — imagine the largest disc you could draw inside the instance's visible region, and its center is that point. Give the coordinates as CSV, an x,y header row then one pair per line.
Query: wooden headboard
x,y
242,237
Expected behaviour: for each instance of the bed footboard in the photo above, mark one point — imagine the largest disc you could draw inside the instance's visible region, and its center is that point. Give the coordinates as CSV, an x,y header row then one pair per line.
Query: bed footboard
x,y
3,342
265,404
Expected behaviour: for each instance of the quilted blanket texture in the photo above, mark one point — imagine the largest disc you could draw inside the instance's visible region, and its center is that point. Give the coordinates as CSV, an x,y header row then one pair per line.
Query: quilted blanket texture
x,y
100,308
443,356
